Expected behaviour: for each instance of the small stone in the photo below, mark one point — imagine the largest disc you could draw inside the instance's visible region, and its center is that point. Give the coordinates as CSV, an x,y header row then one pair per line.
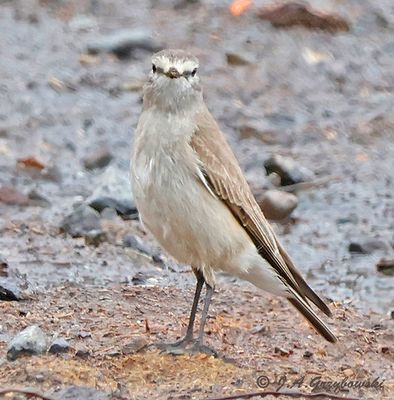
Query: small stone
x,y
236,59
298,14
31,340
81,221
114,192
282,352
84,335
259,329
109,214
95,237
308,354
367,246
277,205
135,346
58,346
348,372
82,353
99,159
81,393
8,291
386,267
12,196
37,199
288,170
136,243
123,42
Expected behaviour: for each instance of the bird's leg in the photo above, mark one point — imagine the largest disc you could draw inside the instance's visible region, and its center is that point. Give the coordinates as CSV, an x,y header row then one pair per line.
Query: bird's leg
x,y
180,345
189,333
198,345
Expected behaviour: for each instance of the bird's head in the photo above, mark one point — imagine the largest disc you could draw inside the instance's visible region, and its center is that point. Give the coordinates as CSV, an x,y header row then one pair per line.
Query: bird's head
x,y
173,80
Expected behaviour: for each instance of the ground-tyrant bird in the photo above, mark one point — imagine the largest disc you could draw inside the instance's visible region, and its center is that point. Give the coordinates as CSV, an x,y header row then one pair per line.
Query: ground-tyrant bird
x,y
193,197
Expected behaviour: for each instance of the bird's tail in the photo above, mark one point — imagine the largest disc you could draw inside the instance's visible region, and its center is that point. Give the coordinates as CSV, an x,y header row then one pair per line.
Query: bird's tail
x,y
306,310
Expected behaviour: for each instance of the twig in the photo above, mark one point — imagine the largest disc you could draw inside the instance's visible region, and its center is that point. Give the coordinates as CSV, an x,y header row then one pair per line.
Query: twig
x,y
297,187
28,392
320,395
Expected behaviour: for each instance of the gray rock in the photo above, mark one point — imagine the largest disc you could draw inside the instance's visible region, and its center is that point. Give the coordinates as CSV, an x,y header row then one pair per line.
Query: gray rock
x,y
98,159
288,170
136,243
277,205
8,290
123,42
31,340
386,267
114,192
367,246
135,346
82,352
81,393
81,222
37,199
58,346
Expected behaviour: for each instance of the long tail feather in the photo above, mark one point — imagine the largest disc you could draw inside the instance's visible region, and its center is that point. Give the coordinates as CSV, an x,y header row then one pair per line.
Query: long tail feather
x,y
305,309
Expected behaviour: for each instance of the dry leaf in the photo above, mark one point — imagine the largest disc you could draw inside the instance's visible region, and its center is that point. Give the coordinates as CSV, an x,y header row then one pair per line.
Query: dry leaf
x,y
30,162
238,7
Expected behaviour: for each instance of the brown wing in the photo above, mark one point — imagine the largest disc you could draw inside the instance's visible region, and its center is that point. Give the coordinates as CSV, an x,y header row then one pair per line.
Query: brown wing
x,y
225,178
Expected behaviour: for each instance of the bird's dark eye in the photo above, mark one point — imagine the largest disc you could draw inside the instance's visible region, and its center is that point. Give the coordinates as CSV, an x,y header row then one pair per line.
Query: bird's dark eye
x,y
194,71
153,67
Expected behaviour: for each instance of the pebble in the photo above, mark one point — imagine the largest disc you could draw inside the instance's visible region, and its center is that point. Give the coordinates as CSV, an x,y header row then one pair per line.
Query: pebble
x,y
31,340
99,159
386,266
135,346
123,42
81,222
8,290
82,353
278,205
136,243
37,199
288,170
81,393
59,345
114,191
236,59
367,246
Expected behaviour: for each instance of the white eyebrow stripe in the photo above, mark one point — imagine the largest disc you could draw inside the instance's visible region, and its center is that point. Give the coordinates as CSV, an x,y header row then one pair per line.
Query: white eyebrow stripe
x,y
180,65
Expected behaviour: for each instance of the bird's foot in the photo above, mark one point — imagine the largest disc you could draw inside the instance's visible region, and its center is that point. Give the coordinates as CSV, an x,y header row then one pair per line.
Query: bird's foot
x,y
185,346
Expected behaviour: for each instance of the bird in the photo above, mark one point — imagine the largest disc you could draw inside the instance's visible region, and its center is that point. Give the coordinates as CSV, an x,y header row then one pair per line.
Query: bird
x,y
192,196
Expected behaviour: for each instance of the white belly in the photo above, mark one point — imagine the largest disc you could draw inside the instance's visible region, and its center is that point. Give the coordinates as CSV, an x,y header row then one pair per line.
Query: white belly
x,y
188,221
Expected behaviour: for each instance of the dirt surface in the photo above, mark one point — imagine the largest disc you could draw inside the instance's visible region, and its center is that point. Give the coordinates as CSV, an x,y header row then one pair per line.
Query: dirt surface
x,y
251,343
324,100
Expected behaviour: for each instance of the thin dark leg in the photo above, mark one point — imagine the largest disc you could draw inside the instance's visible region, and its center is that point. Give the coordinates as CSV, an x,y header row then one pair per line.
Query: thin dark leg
x,y
179,346
192,318
204,315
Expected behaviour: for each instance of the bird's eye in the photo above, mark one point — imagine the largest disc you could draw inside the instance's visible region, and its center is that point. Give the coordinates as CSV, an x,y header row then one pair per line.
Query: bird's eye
x,y
154,68
194,71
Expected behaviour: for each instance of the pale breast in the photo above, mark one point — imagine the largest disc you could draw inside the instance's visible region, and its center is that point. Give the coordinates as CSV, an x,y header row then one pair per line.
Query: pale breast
x,y
187,220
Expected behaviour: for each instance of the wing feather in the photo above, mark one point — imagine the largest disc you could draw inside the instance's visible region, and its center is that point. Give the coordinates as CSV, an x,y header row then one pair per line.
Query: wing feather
x,y
224,176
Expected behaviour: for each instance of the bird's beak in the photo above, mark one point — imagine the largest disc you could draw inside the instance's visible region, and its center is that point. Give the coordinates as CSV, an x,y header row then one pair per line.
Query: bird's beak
x,y
173,73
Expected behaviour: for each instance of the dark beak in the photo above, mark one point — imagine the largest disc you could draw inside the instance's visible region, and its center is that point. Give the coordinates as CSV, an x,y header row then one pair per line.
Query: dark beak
x,y
173,73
